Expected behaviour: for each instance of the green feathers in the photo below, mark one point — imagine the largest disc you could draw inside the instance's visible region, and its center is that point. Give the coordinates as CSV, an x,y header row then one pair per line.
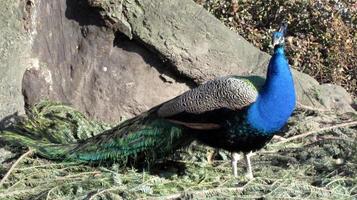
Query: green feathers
x,y
56,131
142,140
51,130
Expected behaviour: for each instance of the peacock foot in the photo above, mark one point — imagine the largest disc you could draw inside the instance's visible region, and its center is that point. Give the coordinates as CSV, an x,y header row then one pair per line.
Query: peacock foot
x,y
249,176
249,173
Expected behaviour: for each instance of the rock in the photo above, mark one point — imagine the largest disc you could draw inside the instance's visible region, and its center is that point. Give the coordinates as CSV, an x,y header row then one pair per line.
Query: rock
x,y
5,155
198,45
79,62
79,57
335,98
15,44
354,104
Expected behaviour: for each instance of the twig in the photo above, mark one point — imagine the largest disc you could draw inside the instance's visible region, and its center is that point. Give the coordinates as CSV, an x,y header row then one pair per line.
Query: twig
x,y
29,152
104,191
17,192
336,180
300,105
49,165
274,189
347,124
79,174
58,186
64,178
200,193
279,138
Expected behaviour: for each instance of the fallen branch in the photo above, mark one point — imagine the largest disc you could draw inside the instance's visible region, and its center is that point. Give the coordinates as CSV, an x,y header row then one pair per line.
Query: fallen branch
x,y
347,124
29,152
305,107
201,193
278,138
103,191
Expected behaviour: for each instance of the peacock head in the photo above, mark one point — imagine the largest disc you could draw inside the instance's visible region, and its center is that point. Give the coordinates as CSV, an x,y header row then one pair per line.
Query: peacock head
x,y
278,37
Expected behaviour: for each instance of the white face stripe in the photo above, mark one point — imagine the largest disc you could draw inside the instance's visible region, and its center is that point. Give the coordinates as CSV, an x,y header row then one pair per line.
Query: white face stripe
x,y
281,40
226,92
278,40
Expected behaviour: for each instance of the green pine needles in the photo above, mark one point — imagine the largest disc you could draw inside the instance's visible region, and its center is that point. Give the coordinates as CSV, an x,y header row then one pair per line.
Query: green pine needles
x,y
317,161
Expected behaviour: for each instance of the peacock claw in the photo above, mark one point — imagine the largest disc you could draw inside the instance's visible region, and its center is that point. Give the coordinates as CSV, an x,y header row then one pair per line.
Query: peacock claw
x,y
249,173
249,176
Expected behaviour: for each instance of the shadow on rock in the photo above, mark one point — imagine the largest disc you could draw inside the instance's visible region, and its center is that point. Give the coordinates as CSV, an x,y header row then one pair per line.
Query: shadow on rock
x,y
81,12
10,120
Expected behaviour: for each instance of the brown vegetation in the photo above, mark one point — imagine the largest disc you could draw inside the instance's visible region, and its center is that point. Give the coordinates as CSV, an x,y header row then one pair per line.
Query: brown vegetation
x,y
322,34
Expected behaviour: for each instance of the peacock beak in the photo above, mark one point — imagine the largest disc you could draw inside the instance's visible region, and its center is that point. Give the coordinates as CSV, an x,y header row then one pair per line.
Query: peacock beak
x,y
278,41
275,42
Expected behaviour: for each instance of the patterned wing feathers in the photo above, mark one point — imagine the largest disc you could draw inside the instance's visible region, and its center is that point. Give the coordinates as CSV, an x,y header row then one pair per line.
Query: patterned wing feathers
x,y
226,92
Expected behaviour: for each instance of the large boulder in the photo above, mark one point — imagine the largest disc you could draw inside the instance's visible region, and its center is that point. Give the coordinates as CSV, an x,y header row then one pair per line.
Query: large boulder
x,y
200,47
78,61
15,42
115,59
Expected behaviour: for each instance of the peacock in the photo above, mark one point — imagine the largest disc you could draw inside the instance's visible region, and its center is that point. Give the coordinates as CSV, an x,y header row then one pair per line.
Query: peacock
x,y
235,113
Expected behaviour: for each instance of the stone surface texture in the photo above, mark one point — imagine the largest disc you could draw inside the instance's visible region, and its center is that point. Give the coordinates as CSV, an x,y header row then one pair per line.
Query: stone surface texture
x,y
15,42
115,59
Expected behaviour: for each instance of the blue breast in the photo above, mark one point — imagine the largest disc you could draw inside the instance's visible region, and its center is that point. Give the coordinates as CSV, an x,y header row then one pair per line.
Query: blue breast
x,y
276,100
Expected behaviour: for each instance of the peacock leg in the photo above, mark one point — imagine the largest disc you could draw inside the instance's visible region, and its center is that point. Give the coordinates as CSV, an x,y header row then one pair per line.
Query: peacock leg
x,y
235,158
249,173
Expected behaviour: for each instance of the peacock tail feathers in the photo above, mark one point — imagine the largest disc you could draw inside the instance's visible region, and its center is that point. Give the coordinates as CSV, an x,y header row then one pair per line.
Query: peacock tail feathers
x,y
51,130
41,147
59,132
58,123
133,141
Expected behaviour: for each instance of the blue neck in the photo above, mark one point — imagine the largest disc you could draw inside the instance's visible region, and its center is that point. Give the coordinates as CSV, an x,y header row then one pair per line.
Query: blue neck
x,y
276,100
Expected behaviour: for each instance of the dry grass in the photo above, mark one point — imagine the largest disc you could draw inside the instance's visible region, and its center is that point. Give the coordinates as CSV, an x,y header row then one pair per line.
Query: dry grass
x,y
322,34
